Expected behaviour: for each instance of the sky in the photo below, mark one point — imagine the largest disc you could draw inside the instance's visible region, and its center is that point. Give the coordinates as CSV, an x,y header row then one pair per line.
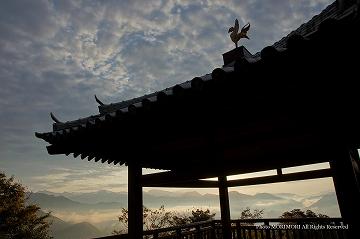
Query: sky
x,y
55,55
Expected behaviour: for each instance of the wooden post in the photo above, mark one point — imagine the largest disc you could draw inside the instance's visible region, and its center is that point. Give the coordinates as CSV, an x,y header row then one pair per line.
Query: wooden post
x,y
178,233
213,230
135,201
198,232
224,207
347,187
238,230
267,231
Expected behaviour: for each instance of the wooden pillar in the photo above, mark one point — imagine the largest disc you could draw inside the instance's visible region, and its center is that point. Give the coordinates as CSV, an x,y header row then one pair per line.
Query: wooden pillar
x,y
347,187
135,201
224,207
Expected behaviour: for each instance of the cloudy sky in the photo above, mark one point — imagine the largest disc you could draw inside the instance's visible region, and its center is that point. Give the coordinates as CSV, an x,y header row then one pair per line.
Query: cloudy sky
x,y
56,54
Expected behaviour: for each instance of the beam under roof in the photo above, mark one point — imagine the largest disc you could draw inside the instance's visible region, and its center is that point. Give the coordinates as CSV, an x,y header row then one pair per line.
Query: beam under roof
x,y
237,167
320,173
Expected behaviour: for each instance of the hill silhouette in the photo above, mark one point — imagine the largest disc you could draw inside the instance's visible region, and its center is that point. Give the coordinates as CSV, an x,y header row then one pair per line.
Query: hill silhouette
x,y
59,229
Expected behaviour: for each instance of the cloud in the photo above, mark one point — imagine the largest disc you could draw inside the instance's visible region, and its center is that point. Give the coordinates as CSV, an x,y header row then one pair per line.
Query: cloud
x,y
83,180
55,55
271,203
93,216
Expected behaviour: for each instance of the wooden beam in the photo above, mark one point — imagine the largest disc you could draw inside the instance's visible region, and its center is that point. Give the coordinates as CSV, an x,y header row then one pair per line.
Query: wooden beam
x,y
346,175
320,173
135,202
224,207
185,184
235,167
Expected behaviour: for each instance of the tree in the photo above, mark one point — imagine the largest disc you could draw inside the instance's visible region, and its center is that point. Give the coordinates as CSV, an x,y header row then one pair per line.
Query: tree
x,y
18,220
298,213
152,219
160,218
156,218
200,215
247,214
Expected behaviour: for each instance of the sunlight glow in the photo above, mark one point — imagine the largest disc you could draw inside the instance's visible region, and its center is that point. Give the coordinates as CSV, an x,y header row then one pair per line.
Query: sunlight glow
x,y
306,168
273,172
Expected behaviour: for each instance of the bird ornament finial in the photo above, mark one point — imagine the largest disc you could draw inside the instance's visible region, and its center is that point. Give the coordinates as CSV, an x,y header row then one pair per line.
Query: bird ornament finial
x,y
235,35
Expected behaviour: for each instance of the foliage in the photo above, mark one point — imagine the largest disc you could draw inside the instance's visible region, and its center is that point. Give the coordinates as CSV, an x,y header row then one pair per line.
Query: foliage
x,y
179,219
160,218
200,215
152,219
156,218
123,219
197,215
298,213
247,214
18,220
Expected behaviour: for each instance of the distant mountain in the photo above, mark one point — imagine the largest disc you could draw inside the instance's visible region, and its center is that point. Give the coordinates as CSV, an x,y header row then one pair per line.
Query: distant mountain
x,y
63,203
102,196
173,199
50,201
234,195
272,205
104,200
308,201
52,193
267,196
326,205
60,229
326,200
56,223
192,194
211,197
161,193
286,195
83,230
107,205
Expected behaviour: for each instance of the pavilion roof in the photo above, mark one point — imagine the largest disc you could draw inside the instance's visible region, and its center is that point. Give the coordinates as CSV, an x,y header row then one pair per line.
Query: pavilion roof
x,y
234,105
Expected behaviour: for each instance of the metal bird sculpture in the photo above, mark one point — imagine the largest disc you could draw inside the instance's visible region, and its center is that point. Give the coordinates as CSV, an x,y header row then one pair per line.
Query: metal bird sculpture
x,y
235,35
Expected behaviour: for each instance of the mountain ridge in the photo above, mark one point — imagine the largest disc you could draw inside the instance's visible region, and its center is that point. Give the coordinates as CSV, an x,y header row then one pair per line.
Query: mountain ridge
x,y
154,198
104,214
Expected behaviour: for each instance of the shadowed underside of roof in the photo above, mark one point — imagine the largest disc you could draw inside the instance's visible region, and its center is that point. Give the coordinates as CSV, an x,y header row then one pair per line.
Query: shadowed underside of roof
x,y
281,107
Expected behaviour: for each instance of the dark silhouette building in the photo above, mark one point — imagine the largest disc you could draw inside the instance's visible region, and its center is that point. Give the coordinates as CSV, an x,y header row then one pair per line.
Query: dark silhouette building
x,y
294,103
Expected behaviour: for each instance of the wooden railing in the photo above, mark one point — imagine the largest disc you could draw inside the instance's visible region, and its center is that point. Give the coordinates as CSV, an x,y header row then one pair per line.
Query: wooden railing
x,y
280,228
274,228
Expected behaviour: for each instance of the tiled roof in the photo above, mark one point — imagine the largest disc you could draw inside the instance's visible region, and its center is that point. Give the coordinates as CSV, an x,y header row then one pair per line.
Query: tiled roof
x,y
305,30
332,11
110,113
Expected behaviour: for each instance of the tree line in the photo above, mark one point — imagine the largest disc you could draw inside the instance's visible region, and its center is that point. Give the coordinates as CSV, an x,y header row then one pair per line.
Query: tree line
x,y
161,218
